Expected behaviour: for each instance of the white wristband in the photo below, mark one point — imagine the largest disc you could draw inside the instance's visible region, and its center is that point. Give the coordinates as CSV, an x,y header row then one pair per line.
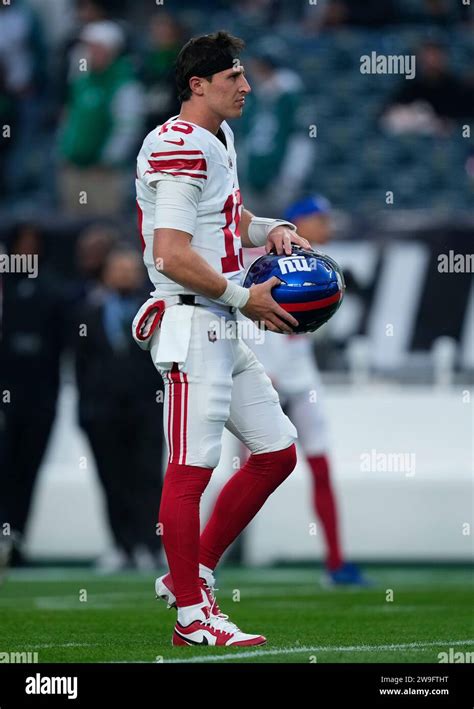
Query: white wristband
x,y
234,295
260,227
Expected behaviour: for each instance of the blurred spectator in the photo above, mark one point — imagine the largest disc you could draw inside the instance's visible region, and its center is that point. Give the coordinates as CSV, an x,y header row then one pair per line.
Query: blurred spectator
x,y
21,47
32,339
431,101
166,37
102,125
439,12
66,63
277,157
7,119
23,62
96,10
370,13
262,13
120,410
56,17
313,219
93,247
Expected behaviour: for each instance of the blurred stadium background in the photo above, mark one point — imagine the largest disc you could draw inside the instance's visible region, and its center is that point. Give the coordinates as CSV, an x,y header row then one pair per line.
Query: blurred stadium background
x,y
398,359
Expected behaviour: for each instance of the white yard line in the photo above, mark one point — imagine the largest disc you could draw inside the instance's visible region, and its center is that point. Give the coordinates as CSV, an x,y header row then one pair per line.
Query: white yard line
x,y
45,646
278,651
321,648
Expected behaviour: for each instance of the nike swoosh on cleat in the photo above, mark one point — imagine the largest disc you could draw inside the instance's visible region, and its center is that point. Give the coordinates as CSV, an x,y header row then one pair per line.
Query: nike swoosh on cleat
x,y
176,142
204,641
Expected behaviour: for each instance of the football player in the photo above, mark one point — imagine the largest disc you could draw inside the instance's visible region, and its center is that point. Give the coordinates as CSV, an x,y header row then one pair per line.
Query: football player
x,y
193,227
301,395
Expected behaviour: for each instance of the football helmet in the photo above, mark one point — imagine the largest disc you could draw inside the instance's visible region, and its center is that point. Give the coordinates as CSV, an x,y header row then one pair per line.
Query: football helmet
x,y
312,284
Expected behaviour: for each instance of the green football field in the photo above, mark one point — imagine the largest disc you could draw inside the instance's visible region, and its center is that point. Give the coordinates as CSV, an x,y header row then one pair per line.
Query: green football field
x,y
70,615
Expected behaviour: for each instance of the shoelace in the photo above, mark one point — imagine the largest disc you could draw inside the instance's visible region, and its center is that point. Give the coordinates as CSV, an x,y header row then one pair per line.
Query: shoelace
x,y
221,624
211,590
220,615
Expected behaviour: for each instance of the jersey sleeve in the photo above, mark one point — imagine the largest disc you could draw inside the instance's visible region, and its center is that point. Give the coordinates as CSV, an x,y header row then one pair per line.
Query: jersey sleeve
x,y
173,156
176,206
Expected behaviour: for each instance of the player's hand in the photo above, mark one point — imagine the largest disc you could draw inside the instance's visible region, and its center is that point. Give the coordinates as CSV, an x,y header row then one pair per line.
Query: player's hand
x,y
263,309
281,238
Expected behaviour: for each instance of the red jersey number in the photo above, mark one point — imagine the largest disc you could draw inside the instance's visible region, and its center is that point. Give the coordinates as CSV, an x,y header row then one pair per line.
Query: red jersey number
x,y
178,126
232,211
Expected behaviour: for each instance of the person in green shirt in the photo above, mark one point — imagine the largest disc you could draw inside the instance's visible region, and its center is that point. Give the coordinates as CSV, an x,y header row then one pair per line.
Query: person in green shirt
x,y
102,124
277,155
164,41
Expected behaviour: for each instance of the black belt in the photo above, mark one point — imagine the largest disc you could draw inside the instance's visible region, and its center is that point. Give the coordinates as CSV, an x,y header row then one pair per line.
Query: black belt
x,y
188,299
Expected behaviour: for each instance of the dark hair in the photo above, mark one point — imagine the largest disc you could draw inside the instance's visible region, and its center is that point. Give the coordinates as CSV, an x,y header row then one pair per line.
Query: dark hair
x,y
215,47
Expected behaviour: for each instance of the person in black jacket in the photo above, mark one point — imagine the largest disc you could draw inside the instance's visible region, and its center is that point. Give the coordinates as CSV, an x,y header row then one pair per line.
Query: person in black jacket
x,y
120,410
434,100
32,337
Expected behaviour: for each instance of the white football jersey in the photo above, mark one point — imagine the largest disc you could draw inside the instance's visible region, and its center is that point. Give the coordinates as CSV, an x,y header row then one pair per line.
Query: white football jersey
x,y
186,152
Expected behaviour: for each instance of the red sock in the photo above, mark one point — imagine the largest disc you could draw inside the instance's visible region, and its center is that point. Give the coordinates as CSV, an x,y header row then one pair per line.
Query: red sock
x,y
240,500
325,507
179,514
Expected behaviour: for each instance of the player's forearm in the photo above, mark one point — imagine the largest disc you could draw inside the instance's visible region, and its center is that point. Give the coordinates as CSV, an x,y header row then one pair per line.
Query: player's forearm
x,y
255,231
184,266
244,229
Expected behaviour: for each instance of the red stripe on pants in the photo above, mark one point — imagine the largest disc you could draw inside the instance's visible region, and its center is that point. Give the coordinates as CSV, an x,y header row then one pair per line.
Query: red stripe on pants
x,y
185,417
170,415
178,409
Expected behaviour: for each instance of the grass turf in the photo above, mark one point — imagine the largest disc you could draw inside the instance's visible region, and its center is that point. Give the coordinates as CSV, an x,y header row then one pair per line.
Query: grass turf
x,y
119,620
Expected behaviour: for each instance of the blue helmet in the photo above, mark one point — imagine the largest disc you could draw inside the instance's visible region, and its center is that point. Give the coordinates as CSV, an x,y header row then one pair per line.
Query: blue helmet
x,y
312,285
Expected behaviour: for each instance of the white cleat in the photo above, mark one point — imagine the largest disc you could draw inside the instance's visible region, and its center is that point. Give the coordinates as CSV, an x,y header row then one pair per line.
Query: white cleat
x,y
164,590
214,630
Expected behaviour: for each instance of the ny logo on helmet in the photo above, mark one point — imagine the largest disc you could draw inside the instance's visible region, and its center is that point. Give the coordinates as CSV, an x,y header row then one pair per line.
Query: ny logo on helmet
x,y
293,263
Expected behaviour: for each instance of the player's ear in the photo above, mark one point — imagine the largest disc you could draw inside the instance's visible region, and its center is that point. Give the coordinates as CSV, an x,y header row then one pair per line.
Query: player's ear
x,y
196,85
